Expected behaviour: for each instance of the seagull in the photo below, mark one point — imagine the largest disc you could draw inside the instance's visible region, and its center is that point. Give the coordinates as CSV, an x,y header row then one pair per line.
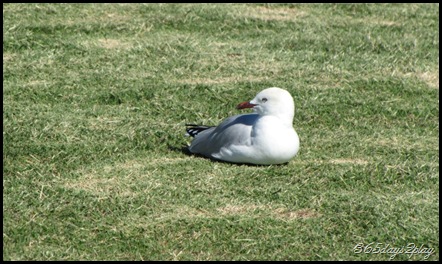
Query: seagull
x,y
264,137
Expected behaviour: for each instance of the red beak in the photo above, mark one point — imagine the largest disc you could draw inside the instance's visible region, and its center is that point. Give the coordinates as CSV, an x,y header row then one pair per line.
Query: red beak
x,y
245,105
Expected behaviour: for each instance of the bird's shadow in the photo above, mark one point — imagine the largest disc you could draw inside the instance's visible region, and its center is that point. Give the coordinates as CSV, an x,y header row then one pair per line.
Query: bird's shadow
x,y
185,150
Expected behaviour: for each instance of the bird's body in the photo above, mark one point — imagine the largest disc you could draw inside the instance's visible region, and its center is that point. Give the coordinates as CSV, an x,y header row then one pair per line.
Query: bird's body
x,y
264,137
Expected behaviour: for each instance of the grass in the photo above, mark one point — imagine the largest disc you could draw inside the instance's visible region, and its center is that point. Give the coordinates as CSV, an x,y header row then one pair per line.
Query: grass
x,y
95,96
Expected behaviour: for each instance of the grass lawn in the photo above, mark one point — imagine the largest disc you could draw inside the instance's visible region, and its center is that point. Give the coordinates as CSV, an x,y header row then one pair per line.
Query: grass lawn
x,y
95,98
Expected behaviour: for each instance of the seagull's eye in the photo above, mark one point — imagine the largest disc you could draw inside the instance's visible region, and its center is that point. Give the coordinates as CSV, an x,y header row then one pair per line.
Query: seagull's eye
x,y
264,100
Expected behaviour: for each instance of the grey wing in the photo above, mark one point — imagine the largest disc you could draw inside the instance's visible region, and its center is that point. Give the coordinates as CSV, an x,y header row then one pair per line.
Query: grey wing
x,y
235,130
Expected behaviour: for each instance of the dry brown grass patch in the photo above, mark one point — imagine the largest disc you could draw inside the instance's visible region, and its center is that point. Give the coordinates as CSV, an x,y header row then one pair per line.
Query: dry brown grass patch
x,y
8,57
349,161
112,44
118,179
239,209
299,214
388,23
279,212
223,80
431,78
93,183
266,13
35,83
385,23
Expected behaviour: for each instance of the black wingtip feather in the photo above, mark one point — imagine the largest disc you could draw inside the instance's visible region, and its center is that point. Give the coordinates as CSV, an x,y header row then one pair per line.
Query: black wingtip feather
x,y
194,130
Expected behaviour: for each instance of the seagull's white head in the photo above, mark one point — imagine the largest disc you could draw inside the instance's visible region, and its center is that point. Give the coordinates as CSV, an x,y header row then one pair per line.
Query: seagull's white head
x,y
272,101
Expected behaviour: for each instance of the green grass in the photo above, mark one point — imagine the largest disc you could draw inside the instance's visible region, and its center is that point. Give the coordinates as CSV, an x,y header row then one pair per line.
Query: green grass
x,y
95,96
